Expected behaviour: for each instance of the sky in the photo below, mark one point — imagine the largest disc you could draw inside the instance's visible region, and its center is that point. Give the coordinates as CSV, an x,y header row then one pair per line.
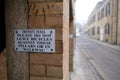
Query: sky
x,y
83,8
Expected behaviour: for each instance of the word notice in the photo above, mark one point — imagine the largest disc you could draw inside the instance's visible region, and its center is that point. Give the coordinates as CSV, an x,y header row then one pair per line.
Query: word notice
x,y
35,40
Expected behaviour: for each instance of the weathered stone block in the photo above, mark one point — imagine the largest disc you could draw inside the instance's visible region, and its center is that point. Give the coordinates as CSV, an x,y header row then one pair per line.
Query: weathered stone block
x,y
43,22
3,66
44,78
46,59
53,71
52,8
37,70
45,1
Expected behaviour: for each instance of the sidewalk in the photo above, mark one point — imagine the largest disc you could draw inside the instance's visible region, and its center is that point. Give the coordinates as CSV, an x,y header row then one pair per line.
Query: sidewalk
x,y
116,47
83,69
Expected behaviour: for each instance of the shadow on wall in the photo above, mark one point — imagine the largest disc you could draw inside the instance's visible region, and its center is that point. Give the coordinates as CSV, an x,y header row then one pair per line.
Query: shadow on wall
x,y
3,72
2,26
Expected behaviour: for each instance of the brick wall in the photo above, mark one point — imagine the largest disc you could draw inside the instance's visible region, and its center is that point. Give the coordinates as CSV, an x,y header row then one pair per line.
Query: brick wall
x,y
43,14
66,39
50,14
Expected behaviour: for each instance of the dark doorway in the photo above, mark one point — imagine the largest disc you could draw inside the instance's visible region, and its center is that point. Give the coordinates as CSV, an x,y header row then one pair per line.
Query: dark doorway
x,y
2,25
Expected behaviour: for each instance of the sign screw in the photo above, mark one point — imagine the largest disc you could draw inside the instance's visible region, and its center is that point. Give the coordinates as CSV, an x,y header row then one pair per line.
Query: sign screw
x,y
16,32
51,49
16,48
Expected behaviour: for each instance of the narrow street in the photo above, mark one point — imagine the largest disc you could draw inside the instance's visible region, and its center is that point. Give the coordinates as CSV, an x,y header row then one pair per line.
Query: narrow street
x,y
106,60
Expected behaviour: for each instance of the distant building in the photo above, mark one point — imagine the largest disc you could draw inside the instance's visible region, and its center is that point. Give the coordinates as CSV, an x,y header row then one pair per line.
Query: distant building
x,y
104,22
78,29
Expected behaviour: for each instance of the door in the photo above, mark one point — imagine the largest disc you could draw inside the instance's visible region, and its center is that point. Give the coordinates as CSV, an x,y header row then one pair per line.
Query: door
x,y
101,34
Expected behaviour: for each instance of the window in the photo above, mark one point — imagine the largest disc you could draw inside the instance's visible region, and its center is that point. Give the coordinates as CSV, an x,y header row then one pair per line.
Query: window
x,y
107,10
98,30
93,18
98,16
89,32
107,28
93,31
102,13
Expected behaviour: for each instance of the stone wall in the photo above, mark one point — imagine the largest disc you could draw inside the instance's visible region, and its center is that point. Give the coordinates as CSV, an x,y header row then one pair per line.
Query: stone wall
x,y
50,14
71,45
43,14
3,66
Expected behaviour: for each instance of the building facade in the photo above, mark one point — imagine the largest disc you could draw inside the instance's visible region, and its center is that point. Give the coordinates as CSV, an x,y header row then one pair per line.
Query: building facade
x,y
37,14
104,22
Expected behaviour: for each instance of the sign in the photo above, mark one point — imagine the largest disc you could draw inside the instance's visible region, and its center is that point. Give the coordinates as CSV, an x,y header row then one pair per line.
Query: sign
x,y
35,40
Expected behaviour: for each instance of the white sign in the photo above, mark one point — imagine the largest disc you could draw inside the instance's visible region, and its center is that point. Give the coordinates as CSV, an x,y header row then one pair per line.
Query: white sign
x,y
35,40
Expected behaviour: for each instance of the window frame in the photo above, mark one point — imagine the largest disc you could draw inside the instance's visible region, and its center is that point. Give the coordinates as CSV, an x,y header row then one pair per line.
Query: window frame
x,y
107,28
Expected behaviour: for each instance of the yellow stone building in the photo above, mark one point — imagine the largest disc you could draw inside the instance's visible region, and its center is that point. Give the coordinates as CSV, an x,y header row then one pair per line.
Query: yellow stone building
x,y
104,22
37,15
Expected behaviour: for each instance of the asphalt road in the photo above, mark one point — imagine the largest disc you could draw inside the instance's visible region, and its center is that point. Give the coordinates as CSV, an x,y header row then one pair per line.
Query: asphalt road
x,y
105,59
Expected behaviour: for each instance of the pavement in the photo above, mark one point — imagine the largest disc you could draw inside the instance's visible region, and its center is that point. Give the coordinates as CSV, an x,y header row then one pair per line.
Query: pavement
x,y
85,69
116,47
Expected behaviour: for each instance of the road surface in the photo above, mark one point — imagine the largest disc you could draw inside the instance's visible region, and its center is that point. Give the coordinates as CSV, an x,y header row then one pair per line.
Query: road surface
x,y
105,59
